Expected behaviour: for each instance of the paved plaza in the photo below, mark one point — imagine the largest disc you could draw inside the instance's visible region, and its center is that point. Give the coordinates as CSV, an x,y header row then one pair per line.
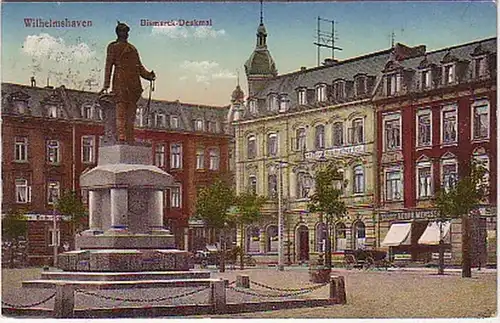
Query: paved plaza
x,y
418,293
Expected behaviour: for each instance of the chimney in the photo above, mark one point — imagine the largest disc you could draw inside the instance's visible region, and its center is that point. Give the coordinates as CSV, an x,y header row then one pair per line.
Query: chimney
x,y
48,84
33,81
330,62
303,68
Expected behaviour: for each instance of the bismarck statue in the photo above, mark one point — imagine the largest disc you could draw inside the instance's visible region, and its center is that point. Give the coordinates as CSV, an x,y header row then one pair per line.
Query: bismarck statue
x,y
126,90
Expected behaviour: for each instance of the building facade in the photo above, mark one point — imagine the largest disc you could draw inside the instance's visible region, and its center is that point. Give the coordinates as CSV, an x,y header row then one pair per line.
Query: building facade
x,y
50,136
436,112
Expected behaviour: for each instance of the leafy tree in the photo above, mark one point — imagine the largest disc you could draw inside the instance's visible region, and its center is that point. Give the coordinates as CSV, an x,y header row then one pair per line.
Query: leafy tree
x,y
327,200
70,204
212,206
14,231
248,206
458,202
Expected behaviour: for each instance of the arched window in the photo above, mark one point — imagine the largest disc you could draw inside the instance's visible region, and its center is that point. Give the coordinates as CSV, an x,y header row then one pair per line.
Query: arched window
x,y
304,184
340,234
251,147
319,142
252,184
321,237
360,235
337,131
253,239
358,180
300,139
272,238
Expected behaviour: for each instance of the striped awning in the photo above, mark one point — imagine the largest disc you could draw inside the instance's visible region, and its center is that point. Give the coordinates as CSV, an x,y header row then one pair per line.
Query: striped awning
x,y
399,234
431,234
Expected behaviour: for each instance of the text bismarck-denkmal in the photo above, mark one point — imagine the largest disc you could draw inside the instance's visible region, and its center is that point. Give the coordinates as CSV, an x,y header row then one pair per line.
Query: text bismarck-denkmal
x,y
176,22
56,23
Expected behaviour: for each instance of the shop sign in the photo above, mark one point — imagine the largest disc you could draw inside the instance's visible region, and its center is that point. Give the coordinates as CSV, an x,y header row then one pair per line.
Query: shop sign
x,y
334,152
409,215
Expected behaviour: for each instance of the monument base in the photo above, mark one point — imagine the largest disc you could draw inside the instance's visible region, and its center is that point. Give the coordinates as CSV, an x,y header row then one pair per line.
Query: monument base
x,y
125,260
121,240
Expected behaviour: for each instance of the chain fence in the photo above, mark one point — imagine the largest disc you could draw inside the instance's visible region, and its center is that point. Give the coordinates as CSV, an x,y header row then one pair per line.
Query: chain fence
x,y
141,300
284,292
45,300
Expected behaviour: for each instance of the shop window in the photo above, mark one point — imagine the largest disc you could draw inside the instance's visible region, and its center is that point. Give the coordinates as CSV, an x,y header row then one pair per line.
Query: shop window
x,y
360,235
272,238
253,240
340,237
321,237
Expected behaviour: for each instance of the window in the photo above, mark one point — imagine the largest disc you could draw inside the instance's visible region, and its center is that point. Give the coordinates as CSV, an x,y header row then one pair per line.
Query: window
x,y
20,106
393,185
55,237
253,243
424,128
321,237
52,111
175,196
449,74
360,235
160,155
200,158
339,90
53,192
272,186
86,111
392,132
340,240
449,125
272,238
302,96
338,131
160,120
174,122
321,93
480,120
176,156
212,126
304,184
21,149
319,142
480,67
53,150
360,87
100,113
424,180
214,159
484,162
449,174
357,133
253,106
301,139
272,102
272,144
392,83
88,147
23,191
358,180
198,125
425,79
252,184
283,103
139,117
251,147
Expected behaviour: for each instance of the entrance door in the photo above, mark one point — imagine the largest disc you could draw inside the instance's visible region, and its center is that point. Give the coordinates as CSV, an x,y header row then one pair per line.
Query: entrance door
x,y
303,234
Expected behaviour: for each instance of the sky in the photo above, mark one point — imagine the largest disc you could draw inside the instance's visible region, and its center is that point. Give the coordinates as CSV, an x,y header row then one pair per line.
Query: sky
x,y
201,64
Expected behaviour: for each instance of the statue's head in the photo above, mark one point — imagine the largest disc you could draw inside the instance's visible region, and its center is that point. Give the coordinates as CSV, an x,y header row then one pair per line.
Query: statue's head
x,y
122,30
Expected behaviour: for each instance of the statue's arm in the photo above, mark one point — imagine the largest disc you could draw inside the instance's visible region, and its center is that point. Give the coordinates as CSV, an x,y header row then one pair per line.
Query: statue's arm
x,y
108,67
145,74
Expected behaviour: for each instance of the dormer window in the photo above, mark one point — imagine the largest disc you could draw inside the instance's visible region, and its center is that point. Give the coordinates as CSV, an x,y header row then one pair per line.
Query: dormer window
x,y
480,67
425,79
339,90
449,74
139,117
20,106
272,103
198,125
283,103
52,111
321,93
99,112
302,96
392,83
174,122
252,105
212,126
87,111
360,87
160,120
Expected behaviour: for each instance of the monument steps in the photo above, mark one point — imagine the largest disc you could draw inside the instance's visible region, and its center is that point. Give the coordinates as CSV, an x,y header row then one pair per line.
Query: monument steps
x,y
124,276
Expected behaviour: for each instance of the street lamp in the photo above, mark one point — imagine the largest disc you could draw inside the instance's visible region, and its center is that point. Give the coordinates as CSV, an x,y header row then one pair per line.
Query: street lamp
x,y
281,265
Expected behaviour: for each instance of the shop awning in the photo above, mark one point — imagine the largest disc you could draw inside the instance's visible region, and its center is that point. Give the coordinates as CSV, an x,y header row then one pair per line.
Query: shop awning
x,y
431,233
399,234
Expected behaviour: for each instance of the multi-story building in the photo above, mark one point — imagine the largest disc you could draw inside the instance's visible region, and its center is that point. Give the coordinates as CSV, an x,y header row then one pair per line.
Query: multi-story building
x,y
436,112
50,136
291,123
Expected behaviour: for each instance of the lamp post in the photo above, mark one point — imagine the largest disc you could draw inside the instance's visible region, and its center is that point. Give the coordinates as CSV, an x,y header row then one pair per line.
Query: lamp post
x,y
55,241
281,265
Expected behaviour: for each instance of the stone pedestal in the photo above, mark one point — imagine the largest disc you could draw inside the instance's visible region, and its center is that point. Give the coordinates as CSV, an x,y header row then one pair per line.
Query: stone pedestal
x,y
126,230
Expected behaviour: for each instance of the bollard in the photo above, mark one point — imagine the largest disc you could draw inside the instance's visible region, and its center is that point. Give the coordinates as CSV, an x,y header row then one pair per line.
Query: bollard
x,y
243,281
64,302
337,289
218,295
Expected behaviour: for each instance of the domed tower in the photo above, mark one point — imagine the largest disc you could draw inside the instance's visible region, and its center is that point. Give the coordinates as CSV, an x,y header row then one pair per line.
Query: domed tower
x,y
260,66
237,106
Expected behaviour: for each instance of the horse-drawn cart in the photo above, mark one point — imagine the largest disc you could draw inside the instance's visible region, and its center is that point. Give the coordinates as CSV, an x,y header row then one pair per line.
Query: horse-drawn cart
x,y
366,259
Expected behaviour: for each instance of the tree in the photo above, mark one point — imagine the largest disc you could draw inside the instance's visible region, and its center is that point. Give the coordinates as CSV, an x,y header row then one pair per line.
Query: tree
x,y
71,205
14,230
327,200
459,201
248,206
212,206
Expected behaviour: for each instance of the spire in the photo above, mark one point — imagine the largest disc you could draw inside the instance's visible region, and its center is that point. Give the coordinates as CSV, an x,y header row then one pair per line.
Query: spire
x,y
238,77
261,30
261,16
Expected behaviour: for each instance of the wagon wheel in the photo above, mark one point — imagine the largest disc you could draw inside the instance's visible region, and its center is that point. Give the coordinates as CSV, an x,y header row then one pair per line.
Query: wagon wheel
x,y
369,263
350,261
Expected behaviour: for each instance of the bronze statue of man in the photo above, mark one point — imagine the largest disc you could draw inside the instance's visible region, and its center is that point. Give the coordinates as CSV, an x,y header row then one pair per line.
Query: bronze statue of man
x,y
127,88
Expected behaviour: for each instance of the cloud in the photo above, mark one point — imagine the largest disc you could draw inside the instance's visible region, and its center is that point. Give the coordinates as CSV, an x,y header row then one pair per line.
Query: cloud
x,y
199,67
205,71
47,47
224,74
187,32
